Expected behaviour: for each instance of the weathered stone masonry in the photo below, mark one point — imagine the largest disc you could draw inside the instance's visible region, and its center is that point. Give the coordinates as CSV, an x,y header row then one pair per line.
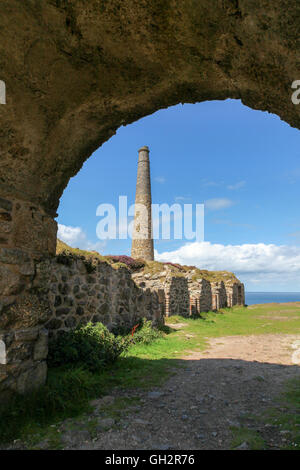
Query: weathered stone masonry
x,y
185,294
23,364
27,234
65,292
101,293
40,296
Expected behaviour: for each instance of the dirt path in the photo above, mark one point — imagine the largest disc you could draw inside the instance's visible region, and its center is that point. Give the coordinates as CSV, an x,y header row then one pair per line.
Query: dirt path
x,y
213,391
210,393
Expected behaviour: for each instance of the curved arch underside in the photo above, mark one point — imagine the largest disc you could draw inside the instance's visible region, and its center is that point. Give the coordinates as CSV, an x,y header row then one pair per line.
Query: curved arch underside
x,y
76,71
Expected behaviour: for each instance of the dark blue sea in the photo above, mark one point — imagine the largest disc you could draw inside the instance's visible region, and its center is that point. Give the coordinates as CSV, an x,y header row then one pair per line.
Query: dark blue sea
x,y
270,297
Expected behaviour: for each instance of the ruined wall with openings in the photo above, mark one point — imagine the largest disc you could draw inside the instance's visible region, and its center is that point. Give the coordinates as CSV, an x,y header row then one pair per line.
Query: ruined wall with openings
x,y
185,294
66,291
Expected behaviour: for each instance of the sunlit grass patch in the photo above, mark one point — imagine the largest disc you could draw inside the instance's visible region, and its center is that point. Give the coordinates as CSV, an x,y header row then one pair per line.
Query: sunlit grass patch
x,y
287,416
253,439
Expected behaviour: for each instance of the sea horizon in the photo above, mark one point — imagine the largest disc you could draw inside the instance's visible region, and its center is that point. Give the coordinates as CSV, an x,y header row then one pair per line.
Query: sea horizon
x,y
265,297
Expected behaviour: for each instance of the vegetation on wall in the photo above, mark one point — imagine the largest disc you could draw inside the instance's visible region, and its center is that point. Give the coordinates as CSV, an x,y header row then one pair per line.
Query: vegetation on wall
x,y
90,258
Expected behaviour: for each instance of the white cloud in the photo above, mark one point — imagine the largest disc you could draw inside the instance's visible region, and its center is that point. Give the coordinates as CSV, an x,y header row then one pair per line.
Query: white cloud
x,y
160,179
235,186
218,203
77,238
70,235
260,266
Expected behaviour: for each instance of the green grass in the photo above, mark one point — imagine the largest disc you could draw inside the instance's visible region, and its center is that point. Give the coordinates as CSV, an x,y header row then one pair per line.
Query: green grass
x,y
252,438
261,319
286,416
69,390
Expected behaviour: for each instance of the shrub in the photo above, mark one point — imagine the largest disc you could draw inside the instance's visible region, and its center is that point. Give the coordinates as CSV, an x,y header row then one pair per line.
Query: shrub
x,y
145,333
142,332
121,330
165,329
91,346
67,257
131,263
177,266
64,258
89,265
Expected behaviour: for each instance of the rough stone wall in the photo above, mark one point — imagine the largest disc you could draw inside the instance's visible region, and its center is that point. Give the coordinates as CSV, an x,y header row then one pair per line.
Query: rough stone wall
x,y
23,345
23,364
100,293
65,292
219,296
201,296
58,298
235,294
186,295
175,289
26,234
177,297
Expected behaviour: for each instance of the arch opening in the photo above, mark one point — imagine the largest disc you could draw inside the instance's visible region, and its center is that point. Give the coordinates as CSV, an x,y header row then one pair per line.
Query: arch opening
x,y
198,150
77,73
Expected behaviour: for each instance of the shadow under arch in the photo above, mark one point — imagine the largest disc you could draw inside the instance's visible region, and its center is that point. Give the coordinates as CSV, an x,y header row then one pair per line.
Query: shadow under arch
x,y
198,407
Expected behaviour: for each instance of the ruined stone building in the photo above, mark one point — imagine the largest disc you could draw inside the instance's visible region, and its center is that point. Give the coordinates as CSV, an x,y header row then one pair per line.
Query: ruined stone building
x,y
76,74
52,294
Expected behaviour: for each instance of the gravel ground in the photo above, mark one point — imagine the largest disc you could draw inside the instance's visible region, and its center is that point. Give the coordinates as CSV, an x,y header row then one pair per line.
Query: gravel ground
x,y
213,391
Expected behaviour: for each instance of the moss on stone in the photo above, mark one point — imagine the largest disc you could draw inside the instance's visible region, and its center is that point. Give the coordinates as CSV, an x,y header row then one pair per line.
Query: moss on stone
x,y
91,257
214,276
119,265
151,267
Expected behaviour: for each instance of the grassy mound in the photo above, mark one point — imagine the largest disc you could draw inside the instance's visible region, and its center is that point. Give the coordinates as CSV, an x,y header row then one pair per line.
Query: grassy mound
x,y
146,267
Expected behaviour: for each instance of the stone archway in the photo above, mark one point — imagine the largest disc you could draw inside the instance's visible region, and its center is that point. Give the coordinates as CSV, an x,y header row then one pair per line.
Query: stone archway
x,y
76,71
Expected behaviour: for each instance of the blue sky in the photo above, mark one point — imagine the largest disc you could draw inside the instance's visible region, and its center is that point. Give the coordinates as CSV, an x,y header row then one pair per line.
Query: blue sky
x,y
244,165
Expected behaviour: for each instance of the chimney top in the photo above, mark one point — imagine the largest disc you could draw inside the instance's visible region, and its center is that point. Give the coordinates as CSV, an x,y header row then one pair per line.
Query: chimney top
x,y
145,148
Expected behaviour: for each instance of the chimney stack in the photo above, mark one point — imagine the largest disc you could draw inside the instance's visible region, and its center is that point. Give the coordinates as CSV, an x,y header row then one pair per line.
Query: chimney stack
x,y
142,241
